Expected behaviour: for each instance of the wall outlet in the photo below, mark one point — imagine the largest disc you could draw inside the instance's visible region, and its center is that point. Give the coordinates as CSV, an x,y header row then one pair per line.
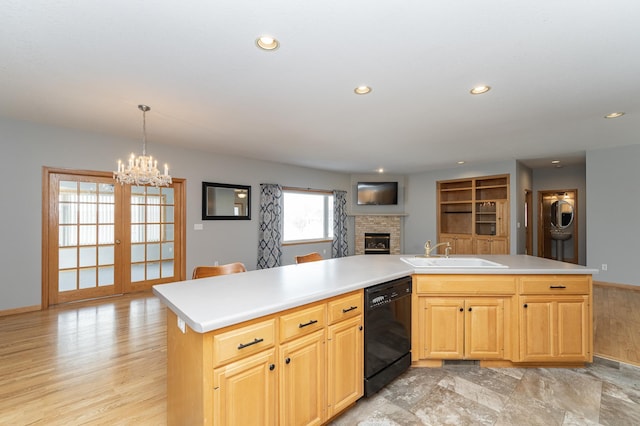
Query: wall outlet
x,y
197,227
181,325
604,266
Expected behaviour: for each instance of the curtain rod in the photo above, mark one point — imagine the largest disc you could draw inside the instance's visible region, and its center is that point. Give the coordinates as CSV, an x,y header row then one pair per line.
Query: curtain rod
x,y
293,188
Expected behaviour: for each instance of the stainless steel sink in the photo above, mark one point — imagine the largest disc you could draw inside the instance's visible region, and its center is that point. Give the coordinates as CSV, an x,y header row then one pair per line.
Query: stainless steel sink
x,y
451,262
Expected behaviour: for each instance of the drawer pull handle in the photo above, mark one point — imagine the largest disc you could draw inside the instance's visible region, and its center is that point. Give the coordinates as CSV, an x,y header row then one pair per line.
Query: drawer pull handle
x,y
308,323
557,286
255,341
344,311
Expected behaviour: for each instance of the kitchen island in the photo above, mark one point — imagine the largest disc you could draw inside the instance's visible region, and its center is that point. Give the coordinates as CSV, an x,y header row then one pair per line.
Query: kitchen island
x,y
252,347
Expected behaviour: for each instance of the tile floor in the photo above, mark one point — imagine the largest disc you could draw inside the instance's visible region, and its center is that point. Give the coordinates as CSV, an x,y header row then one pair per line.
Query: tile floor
x,y
604,393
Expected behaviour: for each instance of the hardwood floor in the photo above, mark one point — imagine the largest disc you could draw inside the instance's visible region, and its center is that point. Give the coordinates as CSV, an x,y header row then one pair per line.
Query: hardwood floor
x,y
97,362
103,362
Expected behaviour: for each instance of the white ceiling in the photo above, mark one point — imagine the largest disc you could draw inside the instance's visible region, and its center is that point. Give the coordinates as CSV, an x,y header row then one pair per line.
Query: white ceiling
x,y
556,68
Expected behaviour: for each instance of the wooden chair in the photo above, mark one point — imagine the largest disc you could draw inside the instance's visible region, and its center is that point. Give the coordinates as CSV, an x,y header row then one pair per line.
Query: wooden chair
x,y
212,271
311,257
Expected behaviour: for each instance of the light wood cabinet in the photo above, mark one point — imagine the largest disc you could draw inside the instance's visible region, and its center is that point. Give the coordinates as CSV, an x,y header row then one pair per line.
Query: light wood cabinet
x,y
297,367
302,380
454,323
502,320
470,328
490,245
555,319
345,364
244,392
460,244
473,214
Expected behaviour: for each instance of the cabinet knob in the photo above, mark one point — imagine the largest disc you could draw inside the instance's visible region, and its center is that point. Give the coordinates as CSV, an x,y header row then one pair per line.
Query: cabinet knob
x,y
469,309
272,367
525,305
461,309
360,328
287,360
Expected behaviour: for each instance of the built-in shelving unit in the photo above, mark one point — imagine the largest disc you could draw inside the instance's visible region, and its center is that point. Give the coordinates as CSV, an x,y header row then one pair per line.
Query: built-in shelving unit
x,y
473,214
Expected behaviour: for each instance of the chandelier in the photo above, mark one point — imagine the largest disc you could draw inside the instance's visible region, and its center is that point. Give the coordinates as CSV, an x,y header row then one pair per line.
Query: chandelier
x,y
142,170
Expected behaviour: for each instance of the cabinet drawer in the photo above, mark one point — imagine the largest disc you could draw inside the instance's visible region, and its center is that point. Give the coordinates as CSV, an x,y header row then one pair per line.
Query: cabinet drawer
x,y
345,307
302,322
555,284
465,284
243,341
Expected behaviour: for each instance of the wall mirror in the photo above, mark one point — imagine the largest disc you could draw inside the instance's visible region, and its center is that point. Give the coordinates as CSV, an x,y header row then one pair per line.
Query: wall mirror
x,y
221,201
561,214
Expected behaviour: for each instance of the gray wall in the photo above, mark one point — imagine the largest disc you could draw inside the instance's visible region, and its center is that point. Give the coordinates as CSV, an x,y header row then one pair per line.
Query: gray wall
x,y
613,213
568,177
27,147
420,201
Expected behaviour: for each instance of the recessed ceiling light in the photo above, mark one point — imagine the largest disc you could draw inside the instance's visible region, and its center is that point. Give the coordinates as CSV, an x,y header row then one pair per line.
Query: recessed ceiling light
x,y
380,170
267,43
614,115
362,90
555,162
461,162
479,90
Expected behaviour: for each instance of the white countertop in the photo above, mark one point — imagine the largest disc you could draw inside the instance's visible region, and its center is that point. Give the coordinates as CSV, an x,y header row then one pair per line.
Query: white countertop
x,y
207,304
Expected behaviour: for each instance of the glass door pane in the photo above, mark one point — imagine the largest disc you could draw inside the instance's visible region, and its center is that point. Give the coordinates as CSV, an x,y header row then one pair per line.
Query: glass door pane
x,y
85,235
152,233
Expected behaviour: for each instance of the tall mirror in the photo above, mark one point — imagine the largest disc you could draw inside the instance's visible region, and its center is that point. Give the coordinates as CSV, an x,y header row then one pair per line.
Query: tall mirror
x,y
222,201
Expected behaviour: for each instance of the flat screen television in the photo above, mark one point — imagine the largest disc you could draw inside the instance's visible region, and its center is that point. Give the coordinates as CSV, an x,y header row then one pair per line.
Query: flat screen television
x,y
377,193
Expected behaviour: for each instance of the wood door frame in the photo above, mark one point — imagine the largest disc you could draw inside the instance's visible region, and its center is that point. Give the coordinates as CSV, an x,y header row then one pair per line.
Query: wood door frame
x,y
528,197
540,227
47,208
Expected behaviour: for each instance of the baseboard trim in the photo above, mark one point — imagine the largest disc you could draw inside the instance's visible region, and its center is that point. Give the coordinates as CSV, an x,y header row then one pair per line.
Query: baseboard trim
x,y
616,285
22,310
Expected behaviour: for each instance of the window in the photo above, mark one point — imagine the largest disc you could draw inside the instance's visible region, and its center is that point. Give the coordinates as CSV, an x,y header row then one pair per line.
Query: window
x,y
307,216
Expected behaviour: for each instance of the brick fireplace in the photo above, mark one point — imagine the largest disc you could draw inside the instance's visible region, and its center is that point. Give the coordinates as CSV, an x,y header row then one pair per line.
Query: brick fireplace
x,y
377,224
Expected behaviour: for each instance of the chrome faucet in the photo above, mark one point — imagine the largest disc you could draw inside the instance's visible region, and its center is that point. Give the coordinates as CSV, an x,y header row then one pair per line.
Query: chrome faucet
x,y
428,248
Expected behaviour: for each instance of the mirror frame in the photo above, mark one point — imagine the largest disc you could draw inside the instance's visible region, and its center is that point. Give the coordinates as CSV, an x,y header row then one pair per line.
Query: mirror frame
x,y
205,201
558,209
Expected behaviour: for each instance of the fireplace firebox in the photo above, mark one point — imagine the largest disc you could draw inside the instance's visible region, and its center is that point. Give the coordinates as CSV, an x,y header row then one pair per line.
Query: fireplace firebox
x,y
377,243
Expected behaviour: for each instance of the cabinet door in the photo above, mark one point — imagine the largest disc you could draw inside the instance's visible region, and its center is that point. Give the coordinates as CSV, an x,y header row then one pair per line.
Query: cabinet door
x,y
302,380
572,326
499,246
459,244
244,392
442,322
463,245
536,329
482,245
491,245
484,329
554,328
345,364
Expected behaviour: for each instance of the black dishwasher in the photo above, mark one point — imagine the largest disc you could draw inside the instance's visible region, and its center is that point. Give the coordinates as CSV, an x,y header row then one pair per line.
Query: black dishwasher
x,y
387,333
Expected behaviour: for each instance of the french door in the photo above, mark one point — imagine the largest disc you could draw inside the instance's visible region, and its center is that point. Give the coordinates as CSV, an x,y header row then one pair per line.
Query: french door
x,y
101,238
